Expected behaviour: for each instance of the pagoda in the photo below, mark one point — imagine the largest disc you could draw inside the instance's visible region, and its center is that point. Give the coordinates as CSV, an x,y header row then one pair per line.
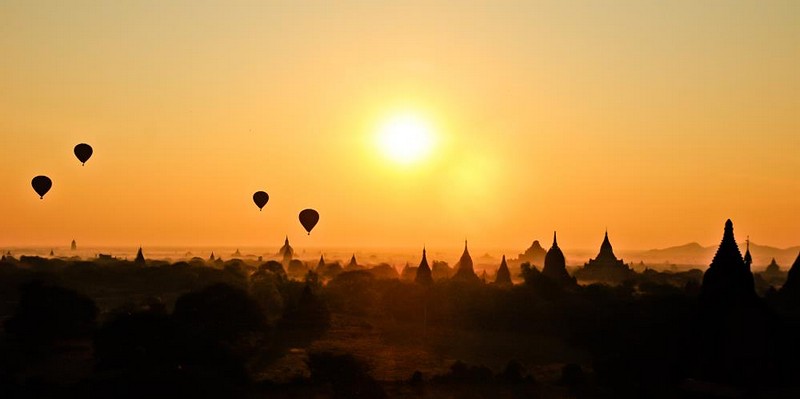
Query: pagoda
x,y
139,258
728,278
555,266
424,275
464,269
320,264
286,253
353,264
773,267
73,246
606,266
534,254
503,274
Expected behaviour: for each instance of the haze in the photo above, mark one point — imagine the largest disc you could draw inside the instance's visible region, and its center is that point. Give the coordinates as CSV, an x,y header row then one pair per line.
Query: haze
x,y
656,120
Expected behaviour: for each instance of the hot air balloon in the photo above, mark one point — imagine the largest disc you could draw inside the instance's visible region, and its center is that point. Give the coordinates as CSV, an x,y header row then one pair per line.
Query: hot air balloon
x,y
260,198
309,219
41,184
83,151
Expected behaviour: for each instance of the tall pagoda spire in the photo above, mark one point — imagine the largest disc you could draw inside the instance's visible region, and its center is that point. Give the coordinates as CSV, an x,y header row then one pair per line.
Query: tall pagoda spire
x,y
748,259
353,264
728,278
465,269
139,257
555,266
424,275
503,274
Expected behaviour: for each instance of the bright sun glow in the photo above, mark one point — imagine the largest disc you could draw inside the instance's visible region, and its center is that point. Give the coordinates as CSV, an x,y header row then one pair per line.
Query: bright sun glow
x,y
406,139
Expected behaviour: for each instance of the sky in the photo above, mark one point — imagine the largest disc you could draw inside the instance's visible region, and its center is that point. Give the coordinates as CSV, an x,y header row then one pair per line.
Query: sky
x,y
656,120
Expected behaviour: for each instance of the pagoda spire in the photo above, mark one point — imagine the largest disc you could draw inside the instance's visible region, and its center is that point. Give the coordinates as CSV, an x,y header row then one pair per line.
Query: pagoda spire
x,y
139,257
465,269
503,274
748,259
424,275
728,278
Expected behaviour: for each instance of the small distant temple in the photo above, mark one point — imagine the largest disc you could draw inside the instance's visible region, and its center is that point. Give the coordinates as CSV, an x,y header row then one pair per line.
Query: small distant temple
x,y
409,273
534,254
320,264
423,275
605,267
503,274
237,253
465,270
353,264
728,279
73,246
773,267
555,266
211,258
139,257
286,253
773,274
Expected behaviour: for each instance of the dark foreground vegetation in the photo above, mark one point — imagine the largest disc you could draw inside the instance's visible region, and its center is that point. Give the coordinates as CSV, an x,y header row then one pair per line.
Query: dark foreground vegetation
x,y
83,329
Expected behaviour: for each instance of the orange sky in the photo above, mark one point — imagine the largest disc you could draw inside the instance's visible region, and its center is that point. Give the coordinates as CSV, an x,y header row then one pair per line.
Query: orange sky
x,y
658,120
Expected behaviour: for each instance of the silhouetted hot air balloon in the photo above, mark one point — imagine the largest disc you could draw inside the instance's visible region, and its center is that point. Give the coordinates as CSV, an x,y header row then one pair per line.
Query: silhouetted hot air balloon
x,y
83,151
260,198
309,219
41,184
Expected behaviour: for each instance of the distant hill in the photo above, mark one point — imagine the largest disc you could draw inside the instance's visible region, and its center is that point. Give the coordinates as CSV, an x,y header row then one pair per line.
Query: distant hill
x,y
696,254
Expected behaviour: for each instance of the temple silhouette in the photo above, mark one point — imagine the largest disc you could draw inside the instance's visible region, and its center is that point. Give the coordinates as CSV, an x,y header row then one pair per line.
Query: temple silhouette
x,y
534,254
353,264
286,252
555,266
605,267
423,275
503,276
139,258
728,278
735,334
465,270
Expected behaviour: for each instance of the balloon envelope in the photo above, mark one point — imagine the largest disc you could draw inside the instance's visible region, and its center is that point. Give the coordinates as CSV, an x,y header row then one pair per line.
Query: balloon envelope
x,y
83,151
260,198
309,219
41,184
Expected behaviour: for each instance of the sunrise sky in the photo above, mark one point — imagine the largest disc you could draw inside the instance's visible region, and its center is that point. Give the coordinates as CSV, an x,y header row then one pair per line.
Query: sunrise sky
x,y
657,120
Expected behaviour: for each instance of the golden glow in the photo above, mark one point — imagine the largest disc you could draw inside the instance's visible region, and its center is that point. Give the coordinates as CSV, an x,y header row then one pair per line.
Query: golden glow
x,y
406,139
659,122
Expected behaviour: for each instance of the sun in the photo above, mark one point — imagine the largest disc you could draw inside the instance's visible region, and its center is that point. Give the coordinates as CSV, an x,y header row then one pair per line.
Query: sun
x,y
406,139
